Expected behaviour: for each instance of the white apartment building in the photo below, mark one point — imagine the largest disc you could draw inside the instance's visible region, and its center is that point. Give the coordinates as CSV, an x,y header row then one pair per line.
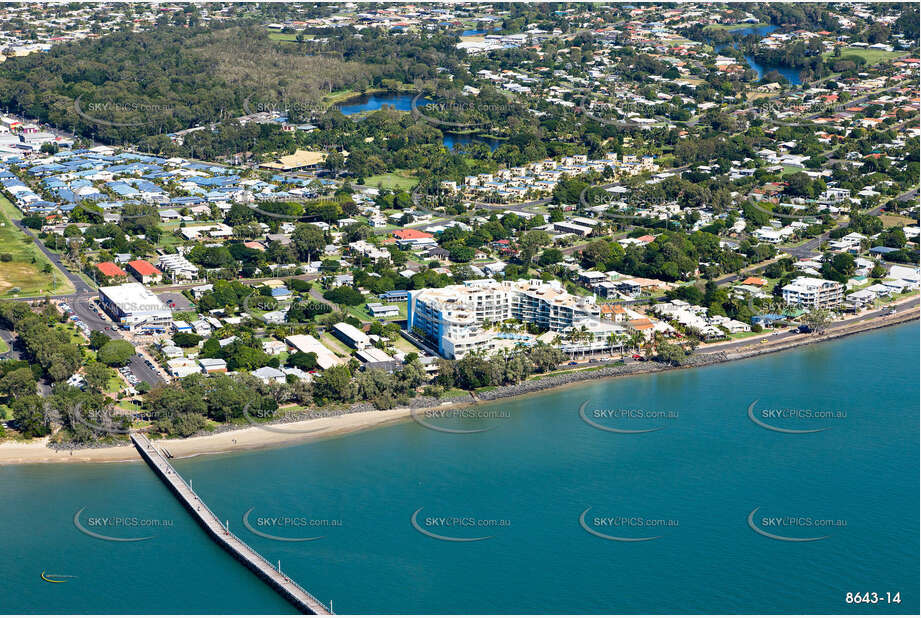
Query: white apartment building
x,y
591,336
456,317
813,292
834,195
177,266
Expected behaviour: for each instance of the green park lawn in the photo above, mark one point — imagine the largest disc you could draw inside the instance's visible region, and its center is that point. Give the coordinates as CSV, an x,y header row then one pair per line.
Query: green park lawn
x,y
893,220
361,312
129,405
116,384
405,346
339,348
288,37
872,56
26,264
749,334
396,180
791,169
454,392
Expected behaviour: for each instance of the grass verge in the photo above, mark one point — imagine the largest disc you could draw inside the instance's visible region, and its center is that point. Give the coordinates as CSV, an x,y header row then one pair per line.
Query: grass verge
x,y
24,266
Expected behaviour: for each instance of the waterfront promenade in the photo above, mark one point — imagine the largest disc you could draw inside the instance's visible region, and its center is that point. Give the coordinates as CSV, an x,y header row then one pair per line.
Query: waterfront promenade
x,y
253,560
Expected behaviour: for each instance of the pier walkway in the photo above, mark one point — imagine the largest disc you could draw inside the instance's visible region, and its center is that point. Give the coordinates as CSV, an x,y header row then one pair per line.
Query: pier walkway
x,y
288,588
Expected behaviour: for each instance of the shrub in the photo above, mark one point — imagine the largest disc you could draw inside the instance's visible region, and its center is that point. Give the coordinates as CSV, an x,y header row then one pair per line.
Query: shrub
x,y
115,353
186,340
344,295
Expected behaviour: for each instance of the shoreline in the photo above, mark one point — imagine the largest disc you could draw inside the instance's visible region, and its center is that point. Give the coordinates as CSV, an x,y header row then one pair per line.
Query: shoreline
x,y
243,439
287,434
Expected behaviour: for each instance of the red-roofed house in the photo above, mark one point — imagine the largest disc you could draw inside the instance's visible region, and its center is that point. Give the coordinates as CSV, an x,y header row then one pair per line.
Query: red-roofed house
x,y
410,237
644,326
411,234
614,313
111,271
145,271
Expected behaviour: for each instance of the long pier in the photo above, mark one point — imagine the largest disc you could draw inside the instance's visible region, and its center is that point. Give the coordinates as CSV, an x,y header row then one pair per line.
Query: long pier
x,y
253,560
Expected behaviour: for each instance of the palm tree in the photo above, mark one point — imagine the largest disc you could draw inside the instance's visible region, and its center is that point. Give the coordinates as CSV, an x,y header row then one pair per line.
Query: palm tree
x,y
635,340
572,335
584,337
612,340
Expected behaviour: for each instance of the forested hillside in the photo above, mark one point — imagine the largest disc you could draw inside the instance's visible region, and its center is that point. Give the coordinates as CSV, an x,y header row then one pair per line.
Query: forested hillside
x,y
130,85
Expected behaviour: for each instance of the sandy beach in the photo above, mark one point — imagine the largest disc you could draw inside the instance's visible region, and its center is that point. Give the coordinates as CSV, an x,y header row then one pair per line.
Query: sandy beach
x,y
255,437
269,436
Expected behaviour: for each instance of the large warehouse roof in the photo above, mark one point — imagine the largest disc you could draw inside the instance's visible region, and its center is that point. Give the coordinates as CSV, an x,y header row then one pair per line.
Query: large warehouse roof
x,y
309,343
134,298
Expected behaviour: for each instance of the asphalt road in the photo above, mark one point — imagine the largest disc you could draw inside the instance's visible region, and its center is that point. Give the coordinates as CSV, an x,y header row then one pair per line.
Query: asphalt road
x,y
808,248
908,196
83,307
14,352
811,247
745,273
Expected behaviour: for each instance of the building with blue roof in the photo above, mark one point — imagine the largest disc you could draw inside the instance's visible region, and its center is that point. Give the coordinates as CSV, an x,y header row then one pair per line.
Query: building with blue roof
x,y
187,201
122,189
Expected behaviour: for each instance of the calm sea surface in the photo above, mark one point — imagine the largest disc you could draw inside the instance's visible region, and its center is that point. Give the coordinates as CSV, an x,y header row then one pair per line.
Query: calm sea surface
x,y
689,487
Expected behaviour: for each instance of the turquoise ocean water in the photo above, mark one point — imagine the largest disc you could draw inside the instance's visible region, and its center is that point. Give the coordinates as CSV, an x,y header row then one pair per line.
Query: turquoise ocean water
x,y
524,484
